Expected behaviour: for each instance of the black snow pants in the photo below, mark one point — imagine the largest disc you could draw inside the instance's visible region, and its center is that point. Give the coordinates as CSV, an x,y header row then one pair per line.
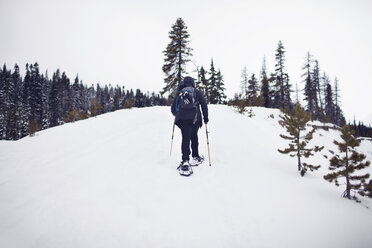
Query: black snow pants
x,y
189,133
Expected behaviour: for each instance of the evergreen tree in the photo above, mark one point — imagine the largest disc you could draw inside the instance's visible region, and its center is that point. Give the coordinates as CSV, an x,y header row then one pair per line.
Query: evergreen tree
x,y
139,99
65,94
336,92
204,83
95,108
55,107
367,189
324,82
338,115
329,105
295,123
75,94
25,111
117,95
316,82
2,97
252,90
346,164
46,88
176,56
220,88
4,101
35,94
287,92
273,93
213,91
265,86
310,88
282,86
106,100
13,131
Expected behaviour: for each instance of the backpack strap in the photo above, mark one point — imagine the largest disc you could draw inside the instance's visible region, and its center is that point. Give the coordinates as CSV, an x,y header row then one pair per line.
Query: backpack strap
x,y
177,104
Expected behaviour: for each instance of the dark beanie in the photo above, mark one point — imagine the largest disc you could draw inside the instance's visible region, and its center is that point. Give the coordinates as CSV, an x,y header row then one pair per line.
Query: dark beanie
x,y
189,81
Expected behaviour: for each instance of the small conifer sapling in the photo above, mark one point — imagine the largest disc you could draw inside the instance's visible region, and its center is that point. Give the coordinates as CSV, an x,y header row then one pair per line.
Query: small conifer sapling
x,y
295,123
346,164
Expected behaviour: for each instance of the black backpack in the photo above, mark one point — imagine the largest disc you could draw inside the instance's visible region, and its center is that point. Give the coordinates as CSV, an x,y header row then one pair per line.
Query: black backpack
x,y
187,98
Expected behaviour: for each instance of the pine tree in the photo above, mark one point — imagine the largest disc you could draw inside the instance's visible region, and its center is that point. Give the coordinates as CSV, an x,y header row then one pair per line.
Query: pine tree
x,y
252,90
95,108
25,111
367,189
310,88
3,101
139,99
176,56
213,91
220,88
323,87
117,95
55,101
13,131
339,117
204,84
316,80
35,94
282,86
336,92
328,103
265,86
287,92
75,94
65,94
46,88
346,164
295,123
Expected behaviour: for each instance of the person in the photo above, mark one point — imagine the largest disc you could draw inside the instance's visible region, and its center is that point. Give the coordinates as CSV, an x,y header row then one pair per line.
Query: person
x,y
188,118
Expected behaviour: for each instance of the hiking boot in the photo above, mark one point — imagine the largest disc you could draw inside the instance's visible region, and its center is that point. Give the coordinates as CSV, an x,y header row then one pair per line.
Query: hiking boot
x,y
196,160
185,168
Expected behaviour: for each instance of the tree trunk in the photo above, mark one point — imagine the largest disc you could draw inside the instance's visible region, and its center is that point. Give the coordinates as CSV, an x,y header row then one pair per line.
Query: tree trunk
x,y
348,188
298,151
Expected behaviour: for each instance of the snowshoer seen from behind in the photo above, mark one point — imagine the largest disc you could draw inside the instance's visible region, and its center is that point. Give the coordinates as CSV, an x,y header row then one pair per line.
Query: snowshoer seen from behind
x,y
186,109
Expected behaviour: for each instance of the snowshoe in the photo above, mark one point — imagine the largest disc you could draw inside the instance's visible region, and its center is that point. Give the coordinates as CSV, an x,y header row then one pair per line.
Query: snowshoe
x,y
185,169
197,160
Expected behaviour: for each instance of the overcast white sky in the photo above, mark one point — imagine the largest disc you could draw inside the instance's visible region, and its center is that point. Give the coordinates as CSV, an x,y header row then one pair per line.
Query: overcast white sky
x,y
121,42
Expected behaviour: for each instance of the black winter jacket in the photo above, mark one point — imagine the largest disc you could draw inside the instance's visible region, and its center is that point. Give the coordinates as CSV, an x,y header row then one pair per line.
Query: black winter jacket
x,y
190,114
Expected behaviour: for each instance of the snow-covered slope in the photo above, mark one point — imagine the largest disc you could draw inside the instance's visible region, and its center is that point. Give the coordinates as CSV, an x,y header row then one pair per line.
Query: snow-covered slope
x,y
109,182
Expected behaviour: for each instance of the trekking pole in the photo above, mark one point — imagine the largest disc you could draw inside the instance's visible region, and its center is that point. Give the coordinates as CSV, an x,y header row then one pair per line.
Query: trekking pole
x,y
174,123
209,153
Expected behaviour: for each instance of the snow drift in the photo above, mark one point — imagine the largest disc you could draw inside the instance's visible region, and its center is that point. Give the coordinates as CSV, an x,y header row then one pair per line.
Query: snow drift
x,y
109,182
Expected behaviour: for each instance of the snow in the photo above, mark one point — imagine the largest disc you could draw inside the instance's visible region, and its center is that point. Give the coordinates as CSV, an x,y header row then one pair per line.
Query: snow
x,y
109,182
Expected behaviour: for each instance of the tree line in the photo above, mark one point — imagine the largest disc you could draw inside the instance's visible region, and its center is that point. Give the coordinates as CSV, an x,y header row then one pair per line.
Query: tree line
x,y
36,102
268,89
360,129
273,90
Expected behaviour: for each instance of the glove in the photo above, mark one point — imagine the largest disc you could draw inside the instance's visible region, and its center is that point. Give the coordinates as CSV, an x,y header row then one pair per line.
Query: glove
x,y
206,120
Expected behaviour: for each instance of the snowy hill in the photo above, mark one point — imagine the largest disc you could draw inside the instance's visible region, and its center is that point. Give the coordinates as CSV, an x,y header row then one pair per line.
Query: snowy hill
x,y
109,182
